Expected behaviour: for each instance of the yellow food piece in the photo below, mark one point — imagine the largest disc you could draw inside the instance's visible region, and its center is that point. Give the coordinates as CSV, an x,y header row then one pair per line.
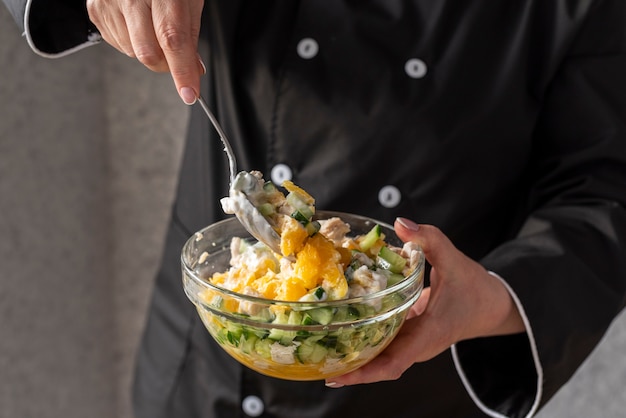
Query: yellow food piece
x,y
302,194
291,289
292,236
319,264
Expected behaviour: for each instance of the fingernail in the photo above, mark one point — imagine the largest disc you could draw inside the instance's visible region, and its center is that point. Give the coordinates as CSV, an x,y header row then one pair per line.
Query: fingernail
x,y
188,95
202,64
408,224
334,385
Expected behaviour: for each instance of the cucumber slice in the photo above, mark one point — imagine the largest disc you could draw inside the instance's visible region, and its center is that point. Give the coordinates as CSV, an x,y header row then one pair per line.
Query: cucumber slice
x,y
262,347
319,293
269,187
247,343
282,336
266,209
312,228
295,318
298,216
322,316
370,238
233,333
394,278
311,352
299,205
389,260
349,313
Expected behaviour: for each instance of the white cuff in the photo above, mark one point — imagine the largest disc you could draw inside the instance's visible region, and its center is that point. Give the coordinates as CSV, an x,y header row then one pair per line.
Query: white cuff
x,y
535,354
93,38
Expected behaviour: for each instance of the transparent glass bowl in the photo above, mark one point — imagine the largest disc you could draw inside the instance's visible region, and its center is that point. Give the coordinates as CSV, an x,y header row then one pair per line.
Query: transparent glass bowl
x,y
294,340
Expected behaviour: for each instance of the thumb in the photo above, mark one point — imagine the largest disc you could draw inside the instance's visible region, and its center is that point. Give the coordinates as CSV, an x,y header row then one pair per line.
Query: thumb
x,y
436,246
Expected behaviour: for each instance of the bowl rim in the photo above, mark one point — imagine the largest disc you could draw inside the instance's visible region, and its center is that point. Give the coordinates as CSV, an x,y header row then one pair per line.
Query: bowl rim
x,y
401,285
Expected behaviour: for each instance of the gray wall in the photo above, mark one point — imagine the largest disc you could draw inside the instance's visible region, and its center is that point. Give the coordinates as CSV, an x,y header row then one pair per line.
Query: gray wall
x,y
89,149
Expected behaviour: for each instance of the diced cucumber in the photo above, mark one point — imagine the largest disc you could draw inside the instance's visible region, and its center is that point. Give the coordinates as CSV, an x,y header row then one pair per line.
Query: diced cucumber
x,y
222,336
266,209
370,238
319,293
322,316
346,313
295,318
233,338
248,343
394,278
282,336
262,347
311,352
233,333
264,315
389,260
269,187
315,295
300,205
281,318
365,310
299,216
312,228
307,319
394,299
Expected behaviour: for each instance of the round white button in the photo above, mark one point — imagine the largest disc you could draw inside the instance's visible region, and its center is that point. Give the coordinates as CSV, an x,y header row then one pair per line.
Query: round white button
x,y
280,173
389,196
307,48
252,406
415,68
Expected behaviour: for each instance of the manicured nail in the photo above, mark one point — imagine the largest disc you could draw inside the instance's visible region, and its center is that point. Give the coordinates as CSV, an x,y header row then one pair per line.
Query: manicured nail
x,y
333,385
408,224
188,95
202,64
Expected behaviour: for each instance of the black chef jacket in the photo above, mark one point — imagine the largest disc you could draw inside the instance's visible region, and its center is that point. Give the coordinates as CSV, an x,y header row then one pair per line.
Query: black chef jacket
x,y
503,124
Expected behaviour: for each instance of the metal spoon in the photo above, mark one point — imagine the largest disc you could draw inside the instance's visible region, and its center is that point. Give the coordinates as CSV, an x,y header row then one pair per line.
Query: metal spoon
x,y
242,185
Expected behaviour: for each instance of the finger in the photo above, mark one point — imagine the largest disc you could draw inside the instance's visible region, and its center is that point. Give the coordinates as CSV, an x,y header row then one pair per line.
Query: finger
x,y
177,33
119,32
436,246
111,25
420,305
144,41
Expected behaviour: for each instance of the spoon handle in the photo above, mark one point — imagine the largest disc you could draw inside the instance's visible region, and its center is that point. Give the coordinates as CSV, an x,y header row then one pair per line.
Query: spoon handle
x,y
229,151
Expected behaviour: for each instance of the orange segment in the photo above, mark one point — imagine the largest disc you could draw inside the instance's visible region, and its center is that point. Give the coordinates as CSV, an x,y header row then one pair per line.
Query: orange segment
x,y
301,193
292,237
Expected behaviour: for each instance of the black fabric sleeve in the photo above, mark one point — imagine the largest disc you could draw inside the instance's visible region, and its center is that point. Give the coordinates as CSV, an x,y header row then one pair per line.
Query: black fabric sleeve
x,y
567,266
54,28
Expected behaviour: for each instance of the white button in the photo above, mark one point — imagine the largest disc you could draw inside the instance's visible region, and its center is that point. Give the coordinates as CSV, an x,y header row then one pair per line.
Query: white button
x,y
415,68
307,48
280,173
389,196
252,406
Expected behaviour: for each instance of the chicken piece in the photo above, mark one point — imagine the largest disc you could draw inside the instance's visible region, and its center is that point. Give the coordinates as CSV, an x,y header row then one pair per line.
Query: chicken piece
x,y
247,307
236,251
411,251
365,281
335,230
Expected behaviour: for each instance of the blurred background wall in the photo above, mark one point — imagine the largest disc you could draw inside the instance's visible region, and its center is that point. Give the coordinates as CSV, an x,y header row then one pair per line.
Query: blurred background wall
x,y
89,151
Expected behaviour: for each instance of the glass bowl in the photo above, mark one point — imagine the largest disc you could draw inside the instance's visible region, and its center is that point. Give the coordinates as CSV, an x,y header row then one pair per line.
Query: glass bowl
x,y
295,340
